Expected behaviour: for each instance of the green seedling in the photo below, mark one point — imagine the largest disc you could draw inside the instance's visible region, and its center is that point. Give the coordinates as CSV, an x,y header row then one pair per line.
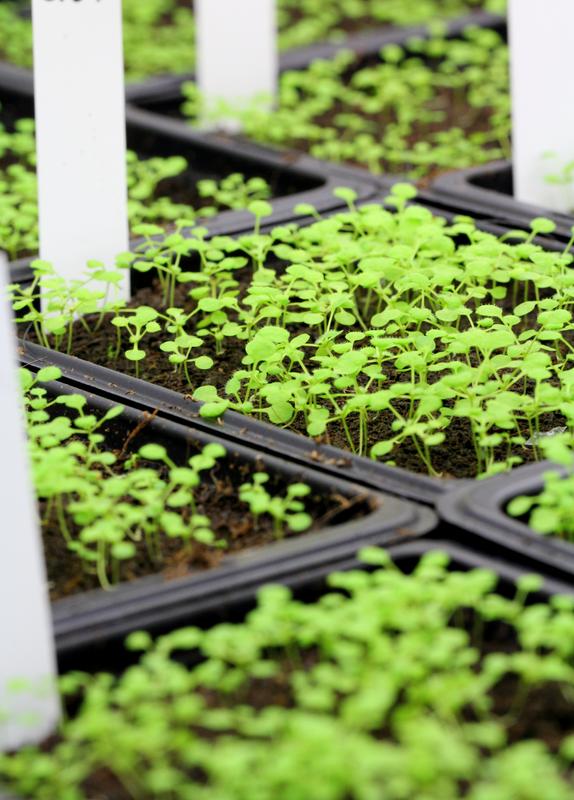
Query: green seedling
x,y
381,329
550,511
288,511
234,191
137,323
441,104
430,684
111,509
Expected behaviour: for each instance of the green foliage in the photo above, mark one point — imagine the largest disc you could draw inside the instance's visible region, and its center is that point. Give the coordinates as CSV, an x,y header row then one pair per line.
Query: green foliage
x,y
382,329
302,22
443,104
149,191
105,505
550,511
159,34
403,687
286,511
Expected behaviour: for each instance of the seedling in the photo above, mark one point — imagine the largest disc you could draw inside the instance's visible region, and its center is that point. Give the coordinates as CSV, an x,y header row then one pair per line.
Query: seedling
x,y
399,676
101,507
399,113
384,330
288,511
550,511
137,322
111,509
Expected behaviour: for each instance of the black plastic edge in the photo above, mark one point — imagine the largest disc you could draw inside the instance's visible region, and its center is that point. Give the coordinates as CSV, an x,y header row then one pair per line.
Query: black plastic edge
x,y
234,427
460,188
464,556
476,508
328,175
94,617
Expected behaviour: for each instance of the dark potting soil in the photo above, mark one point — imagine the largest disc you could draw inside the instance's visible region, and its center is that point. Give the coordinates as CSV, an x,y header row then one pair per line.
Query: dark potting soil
x,y
216,497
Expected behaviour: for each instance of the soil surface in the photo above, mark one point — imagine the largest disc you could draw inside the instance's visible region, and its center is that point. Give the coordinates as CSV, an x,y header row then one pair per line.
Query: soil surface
x,y
216,498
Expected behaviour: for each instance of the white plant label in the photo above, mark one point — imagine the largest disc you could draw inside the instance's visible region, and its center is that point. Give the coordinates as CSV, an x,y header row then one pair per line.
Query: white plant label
x,y
237,58
81,133
29,706
541,45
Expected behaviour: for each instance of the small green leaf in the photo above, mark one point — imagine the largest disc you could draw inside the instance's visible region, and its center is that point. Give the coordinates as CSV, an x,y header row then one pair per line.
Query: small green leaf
x,y
203,362
153,452
47,374
213,410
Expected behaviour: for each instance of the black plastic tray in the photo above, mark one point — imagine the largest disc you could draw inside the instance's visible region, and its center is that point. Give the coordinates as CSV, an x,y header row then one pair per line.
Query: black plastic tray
x,y
307,579
296,58
475,511
487,189
405,556
299,179
237,427
98,618
234,428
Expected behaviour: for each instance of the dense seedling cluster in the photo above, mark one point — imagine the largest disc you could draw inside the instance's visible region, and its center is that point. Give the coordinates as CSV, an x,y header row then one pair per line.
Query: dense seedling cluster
x,y
302,22
109,505
442,105
390,333
430,685
159,34
149,181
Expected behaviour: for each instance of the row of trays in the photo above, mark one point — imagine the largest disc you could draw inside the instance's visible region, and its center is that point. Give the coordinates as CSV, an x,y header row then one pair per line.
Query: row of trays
x,y
405,512
354,509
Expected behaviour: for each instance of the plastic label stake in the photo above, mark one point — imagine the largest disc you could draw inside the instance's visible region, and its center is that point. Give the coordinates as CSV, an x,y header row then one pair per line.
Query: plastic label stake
x,y
541,44
237,59
81,133
29,706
